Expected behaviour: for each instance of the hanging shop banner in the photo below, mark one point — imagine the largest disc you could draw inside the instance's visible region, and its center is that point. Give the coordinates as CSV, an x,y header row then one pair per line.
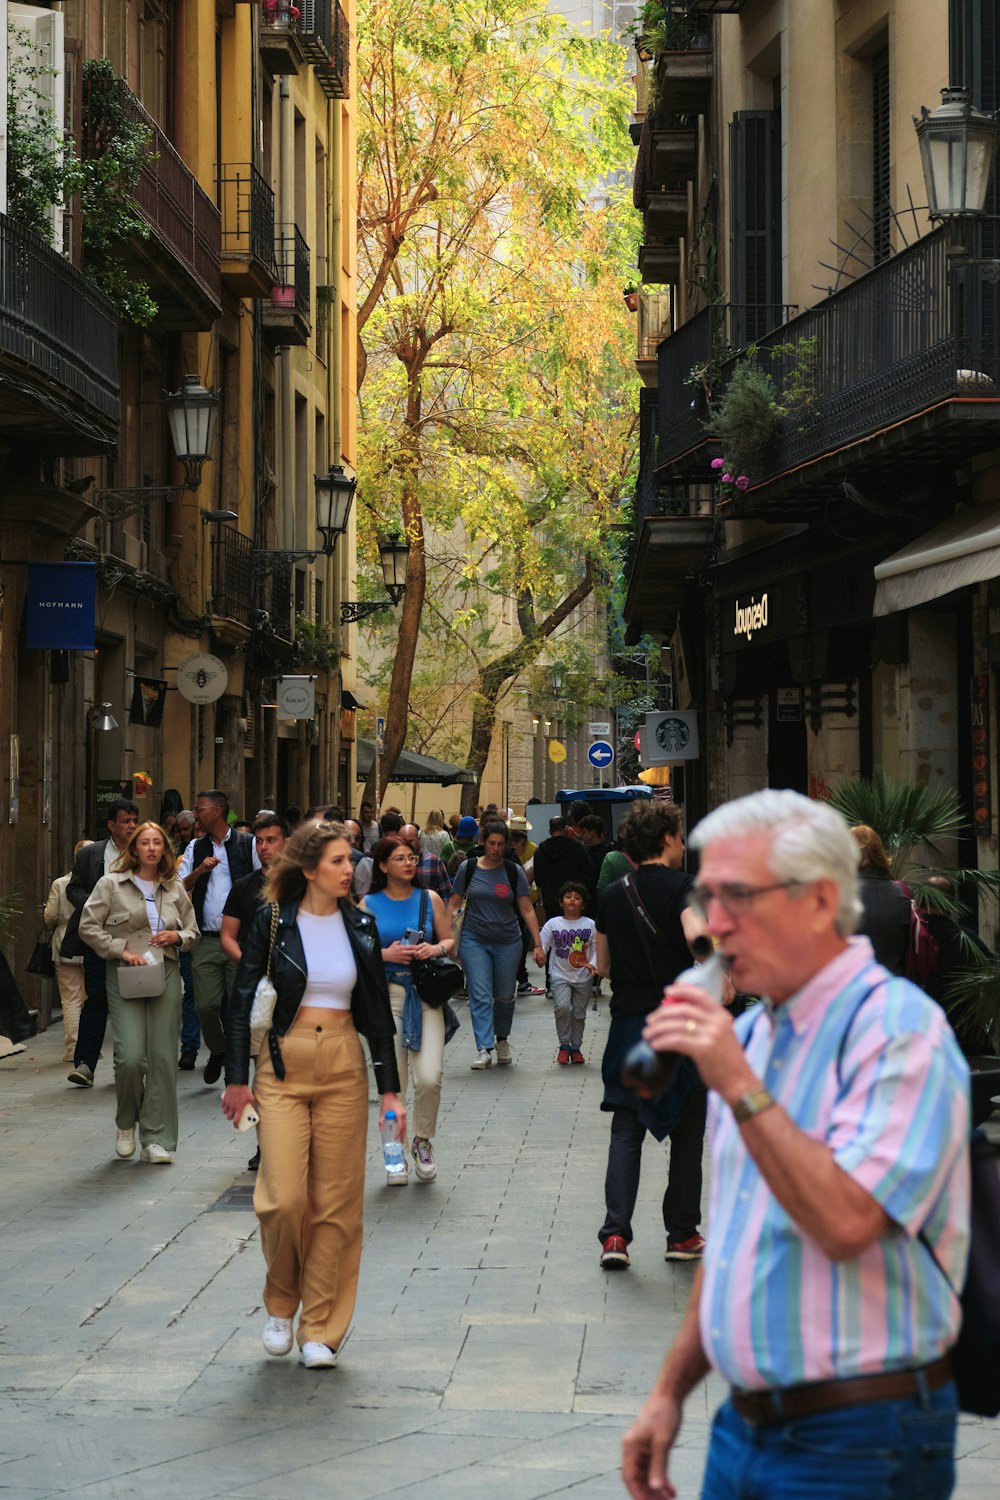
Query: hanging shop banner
x,y
148,697
667,738
60,605
202,678
297,697
981,758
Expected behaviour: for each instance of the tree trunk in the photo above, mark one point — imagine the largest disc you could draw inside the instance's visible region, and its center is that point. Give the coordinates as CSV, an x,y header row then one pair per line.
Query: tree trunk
x,y
493,677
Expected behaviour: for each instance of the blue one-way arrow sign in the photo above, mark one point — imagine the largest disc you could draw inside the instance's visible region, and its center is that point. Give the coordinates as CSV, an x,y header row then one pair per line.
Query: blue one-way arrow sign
x,y
600,754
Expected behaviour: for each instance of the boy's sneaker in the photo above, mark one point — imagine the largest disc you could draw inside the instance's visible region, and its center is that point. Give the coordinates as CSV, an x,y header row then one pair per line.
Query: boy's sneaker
x,y
423,1159
563,1057
614,1253
504,1058
577,1056
689,1249
529,989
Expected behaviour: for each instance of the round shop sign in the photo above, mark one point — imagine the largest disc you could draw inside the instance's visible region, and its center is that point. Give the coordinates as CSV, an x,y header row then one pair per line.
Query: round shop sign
x,y
673,734
203,678
557,752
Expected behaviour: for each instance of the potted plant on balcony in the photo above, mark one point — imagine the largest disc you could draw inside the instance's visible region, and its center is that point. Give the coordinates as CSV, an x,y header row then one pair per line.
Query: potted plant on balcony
x,y
631,295
279,14
314,647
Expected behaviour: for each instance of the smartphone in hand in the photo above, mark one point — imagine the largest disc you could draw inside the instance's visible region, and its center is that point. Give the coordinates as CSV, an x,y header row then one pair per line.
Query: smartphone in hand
x,y
411,937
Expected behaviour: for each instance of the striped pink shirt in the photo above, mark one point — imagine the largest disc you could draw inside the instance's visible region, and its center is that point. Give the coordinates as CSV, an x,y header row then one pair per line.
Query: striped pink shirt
x,y
868,1064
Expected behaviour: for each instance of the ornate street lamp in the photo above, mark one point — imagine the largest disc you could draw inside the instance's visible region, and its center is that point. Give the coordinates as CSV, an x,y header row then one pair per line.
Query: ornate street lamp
x,y
958,144
191,412
394,555
334,498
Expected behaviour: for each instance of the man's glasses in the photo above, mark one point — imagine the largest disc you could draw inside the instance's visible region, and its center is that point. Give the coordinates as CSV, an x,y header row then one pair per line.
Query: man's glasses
x,y
735,900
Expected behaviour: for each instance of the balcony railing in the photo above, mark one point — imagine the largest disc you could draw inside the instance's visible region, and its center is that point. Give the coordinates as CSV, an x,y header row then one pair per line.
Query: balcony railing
x,y
232,575
326,40
690,373
292,255
247,206
903,338
182,218
59,348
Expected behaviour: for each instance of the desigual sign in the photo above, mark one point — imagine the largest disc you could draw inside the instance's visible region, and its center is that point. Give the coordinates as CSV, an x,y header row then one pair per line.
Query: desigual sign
x,y
751,618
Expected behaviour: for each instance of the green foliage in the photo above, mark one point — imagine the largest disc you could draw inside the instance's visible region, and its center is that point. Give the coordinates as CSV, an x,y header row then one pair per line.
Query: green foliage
x,y
42,169
117,146
747,417
799,387
315,650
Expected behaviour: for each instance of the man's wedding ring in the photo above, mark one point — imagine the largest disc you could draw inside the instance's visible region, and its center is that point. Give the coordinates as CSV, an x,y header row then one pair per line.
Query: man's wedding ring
x,y
690,1025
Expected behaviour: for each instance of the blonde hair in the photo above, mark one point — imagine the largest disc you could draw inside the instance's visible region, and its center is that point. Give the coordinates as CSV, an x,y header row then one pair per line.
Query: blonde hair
x,y
128,861
873,855
435,821
303,851
80,844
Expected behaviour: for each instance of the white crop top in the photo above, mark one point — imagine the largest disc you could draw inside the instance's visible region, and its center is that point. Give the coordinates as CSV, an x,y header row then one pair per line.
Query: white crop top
x,y
329,961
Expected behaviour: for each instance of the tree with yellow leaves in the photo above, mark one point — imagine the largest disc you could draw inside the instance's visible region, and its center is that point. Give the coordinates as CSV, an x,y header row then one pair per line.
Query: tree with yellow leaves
x,y
497,419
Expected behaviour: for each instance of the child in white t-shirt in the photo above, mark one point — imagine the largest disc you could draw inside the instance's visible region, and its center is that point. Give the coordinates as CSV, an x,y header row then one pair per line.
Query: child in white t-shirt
x,y
570,942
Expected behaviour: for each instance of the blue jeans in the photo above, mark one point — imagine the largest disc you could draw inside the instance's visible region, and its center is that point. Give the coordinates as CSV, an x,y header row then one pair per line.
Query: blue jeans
x,y
190,1030
885,1450
490,977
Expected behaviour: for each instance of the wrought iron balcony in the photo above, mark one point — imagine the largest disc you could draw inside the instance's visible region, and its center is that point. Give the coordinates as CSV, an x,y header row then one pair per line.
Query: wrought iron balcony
x,y
326,39
689,378
233,594
281,47
247,206
892,380
180,259
286,318
59,381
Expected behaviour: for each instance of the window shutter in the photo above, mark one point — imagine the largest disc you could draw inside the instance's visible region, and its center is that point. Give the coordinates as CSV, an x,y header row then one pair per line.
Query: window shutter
x,y
754,260
881,159
45,47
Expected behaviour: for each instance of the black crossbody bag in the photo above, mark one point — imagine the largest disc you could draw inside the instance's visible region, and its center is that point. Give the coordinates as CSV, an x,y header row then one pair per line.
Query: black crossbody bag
x,y
437,978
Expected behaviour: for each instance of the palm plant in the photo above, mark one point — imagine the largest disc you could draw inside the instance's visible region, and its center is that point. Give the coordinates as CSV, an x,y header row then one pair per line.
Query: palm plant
x,y
913,822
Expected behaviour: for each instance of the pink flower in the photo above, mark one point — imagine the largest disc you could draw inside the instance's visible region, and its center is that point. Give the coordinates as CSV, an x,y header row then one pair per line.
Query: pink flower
x,y
727,478
742,482
718,463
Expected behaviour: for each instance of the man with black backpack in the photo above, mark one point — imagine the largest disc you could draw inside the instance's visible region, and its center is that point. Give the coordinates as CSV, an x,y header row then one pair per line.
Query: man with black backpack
x,y
209,868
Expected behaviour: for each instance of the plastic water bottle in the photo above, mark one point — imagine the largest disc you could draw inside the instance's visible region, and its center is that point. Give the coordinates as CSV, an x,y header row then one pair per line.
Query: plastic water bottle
x,y
392,1149
651,1073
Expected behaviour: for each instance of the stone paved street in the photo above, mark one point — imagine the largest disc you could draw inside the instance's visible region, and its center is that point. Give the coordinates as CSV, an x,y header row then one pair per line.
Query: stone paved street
x,y
490,1357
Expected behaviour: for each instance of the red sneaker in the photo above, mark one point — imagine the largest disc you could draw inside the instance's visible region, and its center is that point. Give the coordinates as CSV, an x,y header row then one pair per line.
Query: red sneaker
x,y
689,1249
614,1253
563,1057
576,1056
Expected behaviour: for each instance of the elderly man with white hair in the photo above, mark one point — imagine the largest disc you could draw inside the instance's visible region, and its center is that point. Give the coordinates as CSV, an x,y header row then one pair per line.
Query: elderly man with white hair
x,y
839,1218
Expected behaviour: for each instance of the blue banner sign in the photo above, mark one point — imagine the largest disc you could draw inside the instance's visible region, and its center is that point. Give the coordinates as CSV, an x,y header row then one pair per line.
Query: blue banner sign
x,y
60,607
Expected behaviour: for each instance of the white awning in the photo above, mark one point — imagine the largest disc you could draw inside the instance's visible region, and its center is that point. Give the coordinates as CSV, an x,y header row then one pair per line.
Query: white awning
x,y
962,550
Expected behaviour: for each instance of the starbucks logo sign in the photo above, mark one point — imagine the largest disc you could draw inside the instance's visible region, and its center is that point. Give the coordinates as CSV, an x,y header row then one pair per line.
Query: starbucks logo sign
x,y
672,735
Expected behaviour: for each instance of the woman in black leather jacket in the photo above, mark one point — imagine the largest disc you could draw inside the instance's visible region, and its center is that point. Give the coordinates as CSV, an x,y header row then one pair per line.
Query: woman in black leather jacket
x,y
311,1086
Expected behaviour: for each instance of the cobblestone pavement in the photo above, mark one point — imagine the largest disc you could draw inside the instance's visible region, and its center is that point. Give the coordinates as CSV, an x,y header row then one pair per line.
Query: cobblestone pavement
x,y
490,1356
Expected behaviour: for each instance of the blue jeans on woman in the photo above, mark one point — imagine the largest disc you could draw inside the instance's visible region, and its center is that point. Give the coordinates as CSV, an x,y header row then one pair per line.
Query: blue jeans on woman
x,y
490,977
883,1450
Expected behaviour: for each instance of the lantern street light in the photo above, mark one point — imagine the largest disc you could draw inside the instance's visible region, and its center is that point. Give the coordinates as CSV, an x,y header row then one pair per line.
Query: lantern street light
x,y
334,497
958,144
191,412
394,555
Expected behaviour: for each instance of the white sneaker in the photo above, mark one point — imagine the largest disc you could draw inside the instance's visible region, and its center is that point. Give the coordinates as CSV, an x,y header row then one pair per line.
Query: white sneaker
x,y
484,1058
504,1058
157,1154
125,1143
277,1337
423,1159
318,1356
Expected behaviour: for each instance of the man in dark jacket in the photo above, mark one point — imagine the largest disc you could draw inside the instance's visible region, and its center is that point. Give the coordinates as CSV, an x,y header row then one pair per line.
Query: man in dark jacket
x,y
209,868
91,863
558,859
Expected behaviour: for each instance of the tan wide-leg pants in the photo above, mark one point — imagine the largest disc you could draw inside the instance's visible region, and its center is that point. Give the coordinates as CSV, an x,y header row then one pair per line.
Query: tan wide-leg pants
x,y
309,1196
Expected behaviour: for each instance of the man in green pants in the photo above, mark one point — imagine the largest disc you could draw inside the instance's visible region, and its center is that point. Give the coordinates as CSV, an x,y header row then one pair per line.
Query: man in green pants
x,y
209,868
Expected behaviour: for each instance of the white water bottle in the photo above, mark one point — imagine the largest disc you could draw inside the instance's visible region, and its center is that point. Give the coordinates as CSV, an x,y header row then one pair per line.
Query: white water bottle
x,y
392,1150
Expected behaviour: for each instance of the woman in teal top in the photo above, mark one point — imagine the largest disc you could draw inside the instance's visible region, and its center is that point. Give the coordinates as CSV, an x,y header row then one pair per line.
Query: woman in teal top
x,y
420,1029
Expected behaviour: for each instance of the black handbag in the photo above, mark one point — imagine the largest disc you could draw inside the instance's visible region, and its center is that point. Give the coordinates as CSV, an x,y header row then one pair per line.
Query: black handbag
x,y
40,962
438,978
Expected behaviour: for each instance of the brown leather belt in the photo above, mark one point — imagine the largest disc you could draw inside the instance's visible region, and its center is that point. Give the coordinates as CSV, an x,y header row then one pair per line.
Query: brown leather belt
x,y
771,1408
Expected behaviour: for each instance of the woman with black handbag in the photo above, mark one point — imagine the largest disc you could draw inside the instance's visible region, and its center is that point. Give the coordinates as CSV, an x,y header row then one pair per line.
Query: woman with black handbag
x,y
413,926
311,1086
140,917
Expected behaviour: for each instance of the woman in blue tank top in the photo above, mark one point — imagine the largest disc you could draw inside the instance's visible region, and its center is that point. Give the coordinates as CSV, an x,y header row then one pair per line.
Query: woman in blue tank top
x,y
395,904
